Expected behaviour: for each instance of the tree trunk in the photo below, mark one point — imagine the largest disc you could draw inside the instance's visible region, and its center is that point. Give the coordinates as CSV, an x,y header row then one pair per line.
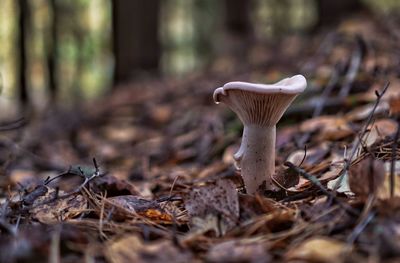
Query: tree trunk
x,y
239,31
238,17
22,56
52,52
331,12
135,37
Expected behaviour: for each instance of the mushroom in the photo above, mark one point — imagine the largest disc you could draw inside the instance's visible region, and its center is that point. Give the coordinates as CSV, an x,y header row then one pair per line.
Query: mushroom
x,y
259,107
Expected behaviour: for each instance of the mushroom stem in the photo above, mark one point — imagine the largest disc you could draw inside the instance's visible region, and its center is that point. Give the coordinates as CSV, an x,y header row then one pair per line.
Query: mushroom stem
x,y
257,157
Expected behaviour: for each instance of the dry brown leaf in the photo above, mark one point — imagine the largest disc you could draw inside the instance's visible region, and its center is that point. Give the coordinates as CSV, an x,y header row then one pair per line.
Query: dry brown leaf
x,y
251,206
60,209
23,177
127,206
384,191
394,105
114,186
309,157
132,249
329,127
239,250
385,127
392,92
220,201
127,133
318,249
362,112
367,176
161,113
379,130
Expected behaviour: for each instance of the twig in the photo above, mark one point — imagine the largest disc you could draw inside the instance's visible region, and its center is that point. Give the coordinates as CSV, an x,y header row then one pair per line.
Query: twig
x,y
87,180
101,218
318,108
328,90
357,140
173,185
12,125
308,176
318,184
355,63
365,218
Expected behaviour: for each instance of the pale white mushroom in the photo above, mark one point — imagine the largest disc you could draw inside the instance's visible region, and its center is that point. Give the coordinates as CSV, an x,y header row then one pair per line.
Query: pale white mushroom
x,y
259,107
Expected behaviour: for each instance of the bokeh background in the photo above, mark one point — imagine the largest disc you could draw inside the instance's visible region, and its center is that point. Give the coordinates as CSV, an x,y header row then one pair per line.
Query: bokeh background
x,y
64,52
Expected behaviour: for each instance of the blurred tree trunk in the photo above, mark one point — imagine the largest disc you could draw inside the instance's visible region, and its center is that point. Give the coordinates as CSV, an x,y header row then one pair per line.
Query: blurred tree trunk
x,y
238,27
135,36
52,51
238,17
331,12
22,56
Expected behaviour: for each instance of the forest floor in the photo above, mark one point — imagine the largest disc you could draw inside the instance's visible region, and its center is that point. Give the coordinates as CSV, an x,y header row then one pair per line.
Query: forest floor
x,y
147,174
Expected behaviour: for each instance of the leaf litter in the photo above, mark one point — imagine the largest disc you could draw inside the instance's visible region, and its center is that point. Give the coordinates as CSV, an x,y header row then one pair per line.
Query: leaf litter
x,y
163,186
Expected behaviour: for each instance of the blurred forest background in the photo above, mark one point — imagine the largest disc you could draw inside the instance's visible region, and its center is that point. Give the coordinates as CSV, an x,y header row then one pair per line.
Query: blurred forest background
x,y
67,51
113,150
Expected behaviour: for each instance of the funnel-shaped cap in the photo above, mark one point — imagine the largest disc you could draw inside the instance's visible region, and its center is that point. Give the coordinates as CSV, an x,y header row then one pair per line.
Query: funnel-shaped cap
x,y
260,104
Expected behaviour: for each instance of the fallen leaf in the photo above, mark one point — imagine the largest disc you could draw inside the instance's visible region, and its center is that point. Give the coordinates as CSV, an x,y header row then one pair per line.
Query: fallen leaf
x,y
219,201
392,92
362,112
378,131
161,114
286,178
114,186
327,127
367,176
132,249
239,250
318,249
127,206
384,191
310,157
394,105
343,186
61,209
23,177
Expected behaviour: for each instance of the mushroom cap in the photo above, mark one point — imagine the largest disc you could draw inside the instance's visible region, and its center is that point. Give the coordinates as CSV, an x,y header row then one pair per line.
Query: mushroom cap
x,y
260,104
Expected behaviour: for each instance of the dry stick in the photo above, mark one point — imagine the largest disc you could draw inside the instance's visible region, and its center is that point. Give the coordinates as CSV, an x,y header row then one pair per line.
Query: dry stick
x,y
80,187
365,218
169,197
393,161
18,123
332,103
317,183
101,218
321,103
279,184
355,63
358,141
173,185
